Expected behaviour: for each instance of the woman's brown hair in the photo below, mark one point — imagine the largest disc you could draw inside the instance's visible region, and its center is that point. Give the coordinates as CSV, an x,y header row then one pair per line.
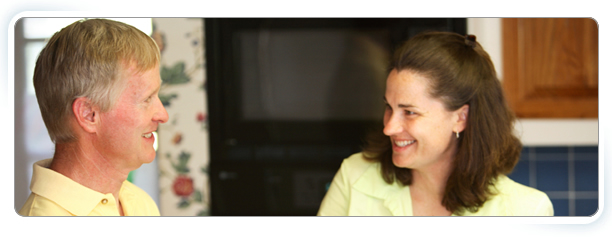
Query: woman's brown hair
x,y
460,72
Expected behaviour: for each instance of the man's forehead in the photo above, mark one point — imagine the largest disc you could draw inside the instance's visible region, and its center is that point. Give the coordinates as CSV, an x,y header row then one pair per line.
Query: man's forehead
x,y
132,67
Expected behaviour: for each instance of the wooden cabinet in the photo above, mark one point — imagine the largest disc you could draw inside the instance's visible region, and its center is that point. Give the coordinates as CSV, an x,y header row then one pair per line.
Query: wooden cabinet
x,y
550,67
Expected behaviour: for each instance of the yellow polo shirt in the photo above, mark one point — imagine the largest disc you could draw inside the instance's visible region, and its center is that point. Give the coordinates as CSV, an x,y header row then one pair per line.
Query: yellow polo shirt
x,y
358,189
54,194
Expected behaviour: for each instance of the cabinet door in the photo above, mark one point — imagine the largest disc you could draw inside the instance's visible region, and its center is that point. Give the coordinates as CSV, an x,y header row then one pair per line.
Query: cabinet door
x,y
551,67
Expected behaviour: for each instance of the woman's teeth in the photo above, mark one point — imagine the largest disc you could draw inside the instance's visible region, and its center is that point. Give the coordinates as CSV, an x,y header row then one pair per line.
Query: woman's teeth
x,y
404,143
147,135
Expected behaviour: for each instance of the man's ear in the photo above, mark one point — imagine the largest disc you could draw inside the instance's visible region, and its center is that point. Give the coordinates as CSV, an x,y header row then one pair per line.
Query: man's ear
x,y
462,117
86,114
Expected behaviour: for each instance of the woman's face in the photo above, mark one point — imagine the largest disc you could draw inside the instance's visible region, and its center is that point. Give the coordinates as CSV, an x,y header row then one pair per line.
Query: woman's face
x,y
421,130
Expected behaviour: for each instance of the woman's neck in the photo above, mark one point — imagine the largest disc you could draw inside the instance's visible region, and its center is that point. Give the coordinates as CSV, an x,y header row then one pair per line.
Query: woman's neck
x,y
428,188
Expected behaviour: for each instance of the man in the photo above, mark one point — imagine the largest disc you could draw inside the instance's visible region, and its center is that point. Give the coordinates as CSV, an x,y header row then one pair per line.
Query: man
x,y
96,83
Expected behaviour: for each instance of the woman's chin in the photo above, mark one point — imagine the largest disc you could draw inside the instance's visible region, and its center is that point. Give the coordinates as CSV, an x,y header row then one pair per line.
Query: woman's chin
x,y
401,161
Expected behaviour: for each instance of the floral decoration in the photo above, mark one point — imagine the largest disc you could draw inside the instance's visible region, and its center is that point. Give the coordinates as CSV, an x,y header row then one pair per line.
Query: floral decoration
x,y
202,118
177,138
182,185
184,179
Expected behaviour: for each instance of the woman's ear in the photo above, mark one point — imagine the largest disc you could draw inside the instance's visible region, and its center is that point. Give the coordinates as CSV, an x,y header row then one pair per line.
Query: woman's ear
x,y
86,114
462,117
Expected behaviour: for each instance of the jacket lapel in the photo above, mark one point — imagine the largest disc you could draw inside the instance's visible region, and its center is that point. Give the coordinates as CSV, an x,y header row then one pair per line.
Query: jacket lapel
x,y
370,185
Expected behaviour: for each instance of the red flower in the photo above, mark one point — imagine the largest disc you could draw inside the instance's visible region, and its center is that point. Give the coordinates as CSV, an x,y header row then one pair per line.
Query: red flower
x,y
177,138
183,186
201,117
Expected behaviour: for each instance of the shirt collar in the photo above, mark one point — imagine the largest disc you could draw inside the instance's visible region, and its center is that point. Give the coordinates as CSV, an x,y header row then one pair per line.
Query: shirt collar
x,y
395,197
72,196
398,200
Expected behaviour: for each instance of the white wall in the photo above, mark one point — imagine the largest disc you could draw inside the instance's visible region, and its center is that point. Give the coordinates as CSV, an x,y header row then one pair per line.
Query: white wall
x,y
533,132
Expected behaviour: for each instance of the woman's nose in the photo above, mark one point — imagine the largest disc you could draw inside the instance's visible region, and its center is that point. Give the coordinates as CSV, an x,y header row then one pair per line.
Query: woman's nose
x,y
392,126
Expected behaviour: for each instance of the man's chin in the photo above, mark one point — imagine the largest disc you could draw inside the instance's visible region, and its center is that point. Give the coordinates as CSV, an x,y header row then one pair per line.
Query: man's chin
x,y
149,159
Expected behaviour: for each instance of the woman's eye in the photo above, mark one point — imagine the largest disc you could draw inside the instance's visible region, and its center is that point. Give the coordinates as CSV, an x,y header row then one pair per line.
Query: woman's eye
x,y
408,112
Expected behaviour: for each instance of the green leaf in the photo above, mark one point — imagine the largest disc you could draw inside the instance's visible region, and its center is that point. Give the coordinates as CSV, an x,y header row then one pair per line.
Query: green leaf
x,y
197,196
203,213
165,99
184,158
180,169
181,166
174,75
184,203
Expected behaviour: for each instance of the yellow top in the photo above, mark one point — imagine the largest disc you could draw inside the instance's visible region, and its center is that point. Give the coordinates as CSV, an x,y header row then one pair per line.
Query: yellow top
x,y
358,189
54,194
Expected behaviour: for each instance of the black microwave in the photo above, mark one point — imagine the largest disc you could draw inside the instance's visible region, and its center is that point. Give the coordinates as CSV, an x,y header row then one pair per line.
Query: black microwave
x,y
290,98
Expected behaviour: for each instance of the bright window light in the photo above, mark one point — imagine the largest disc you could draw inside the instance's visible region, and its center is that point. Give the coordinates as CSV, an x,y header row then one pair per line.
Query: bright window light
x,y
43,28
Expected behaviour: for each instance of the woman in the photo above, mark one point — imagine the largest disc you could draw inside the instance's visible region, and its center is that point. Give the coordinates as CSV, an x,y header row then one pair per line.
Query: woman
x,y
447,142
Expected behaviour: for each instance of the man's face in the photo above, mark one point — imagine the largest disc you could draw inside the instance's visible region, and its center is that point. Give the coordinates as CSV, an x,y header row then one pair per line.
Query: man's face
x,y
125,131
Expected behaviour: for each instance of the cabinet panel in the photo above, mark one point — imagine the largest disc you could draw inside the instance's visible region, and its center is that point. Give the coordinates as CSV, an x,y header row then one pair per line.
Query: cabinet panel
x,y
550,67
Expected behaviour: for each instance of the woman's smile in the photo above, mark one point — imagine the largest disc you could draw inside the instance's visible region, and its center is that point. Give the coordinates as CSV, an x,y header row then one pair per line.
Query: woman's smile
x,y
402,143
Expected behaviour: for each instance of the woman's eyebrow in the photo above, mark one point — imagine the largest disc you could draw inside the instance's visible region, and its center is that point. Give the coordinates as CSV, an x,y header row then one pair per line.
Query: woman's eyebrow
x,y
405,106
400,105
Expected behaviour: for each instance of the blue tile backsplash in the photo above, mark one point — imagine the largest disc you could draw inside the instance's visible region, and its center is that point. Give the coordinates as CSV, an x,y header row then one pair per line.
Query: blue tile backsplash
x,y
552,175
568,175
